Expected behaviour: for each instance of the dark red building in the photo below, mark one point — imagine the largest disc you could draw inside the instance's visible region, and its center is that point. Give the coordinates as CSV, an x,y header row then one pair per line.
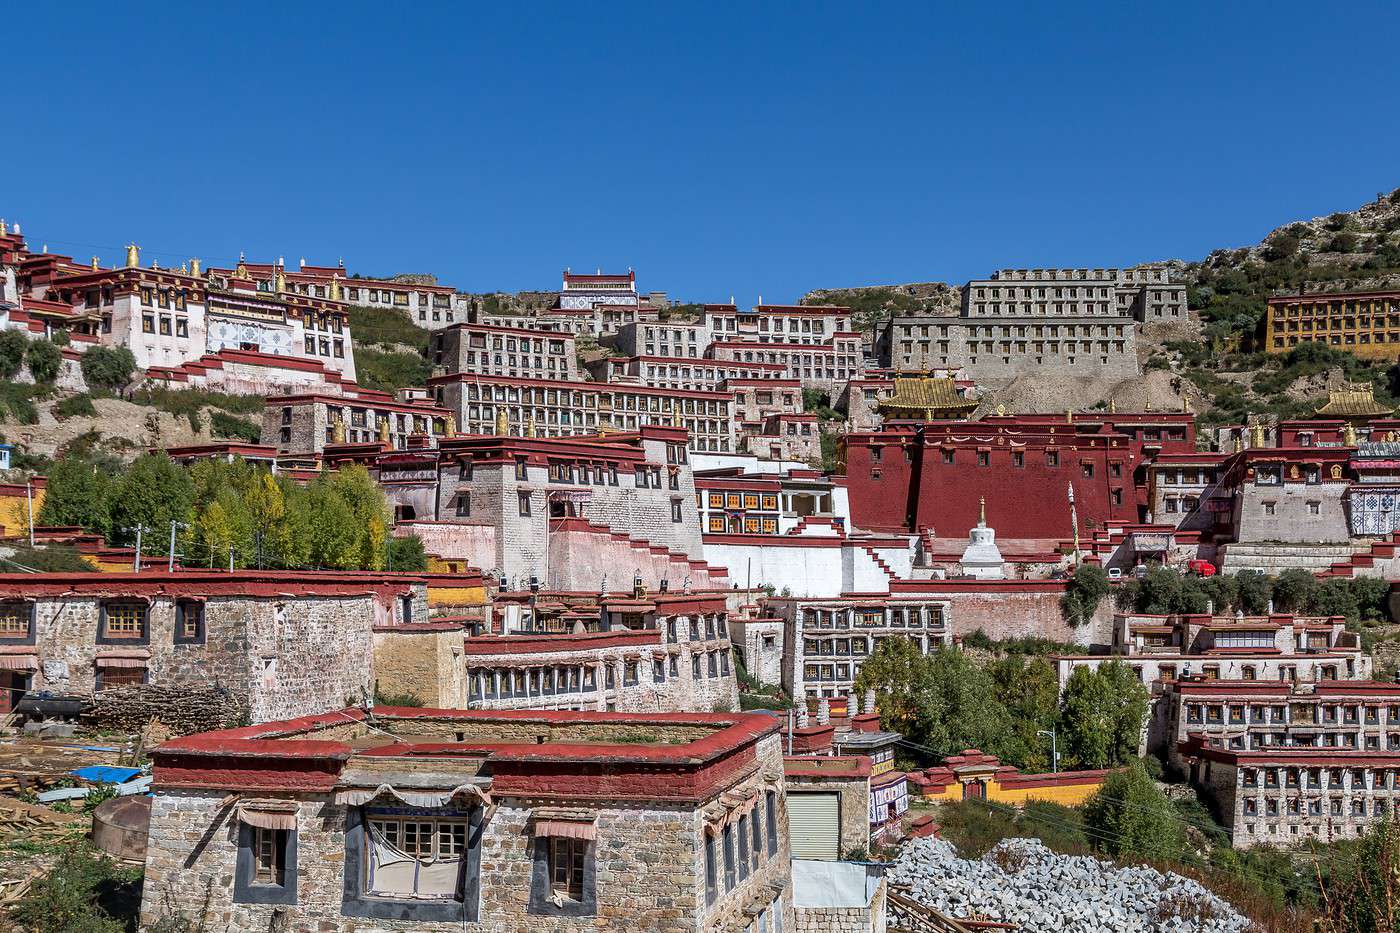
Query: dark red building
x,y
932,475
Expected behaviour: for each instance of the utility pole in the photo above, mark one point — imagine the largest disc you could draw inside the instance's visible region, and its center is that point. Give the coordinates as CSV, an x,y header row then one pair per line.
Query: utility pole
x,y
173,525
140,530
1054,749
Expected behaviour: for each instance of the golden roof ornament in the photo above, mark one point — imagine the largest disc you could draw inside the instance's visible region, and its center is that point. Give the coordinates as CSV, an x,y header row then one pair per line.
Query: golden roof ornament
x,y
184,269
383,429
1256,435
338,430
1239,443
1349,435
194,266
133,256
240,271
1112,406
502,423
335,288
1001,410
451,426
530,426
3,230
94,264
1069,416
279,281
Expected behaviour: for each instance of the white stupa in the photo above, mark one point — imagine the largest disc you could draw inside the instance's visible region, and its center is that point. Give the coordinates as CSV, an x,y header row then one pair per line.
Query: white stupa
x,y
982,559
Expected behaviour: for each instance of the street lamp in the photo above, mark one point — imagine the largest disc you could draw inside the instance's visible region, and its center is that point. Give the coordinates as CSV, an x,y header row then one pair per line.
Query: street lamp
x,y
1054,749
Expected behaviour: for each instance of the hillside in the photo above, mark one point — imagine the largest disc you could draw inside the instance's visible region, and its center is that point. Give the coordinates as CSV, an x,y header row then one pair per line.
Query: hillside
x,y
1212,362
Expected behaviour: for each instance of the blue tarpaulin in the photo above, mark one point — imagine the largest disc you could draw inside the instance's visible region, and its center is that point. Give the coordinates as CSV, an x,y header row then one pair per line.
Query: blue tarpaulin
x,y
104,774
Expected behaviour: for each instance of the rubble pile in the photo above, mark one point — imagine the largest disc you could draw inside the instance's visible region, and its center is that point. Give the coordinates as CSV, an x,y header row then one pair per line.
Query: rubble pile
x,y
1023,882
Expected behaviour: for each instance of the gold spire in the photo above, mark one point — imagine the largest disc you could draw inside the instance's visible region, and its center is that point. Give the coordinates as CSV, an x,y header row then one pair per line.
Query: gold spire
x,y
94,264
184,269
1069,416
1256,435
335,287
1349,435
502,422
982,517
1113,406
133,256
451,426
338,430
530,426
194,266
1239,442
279,281
383,429
240,271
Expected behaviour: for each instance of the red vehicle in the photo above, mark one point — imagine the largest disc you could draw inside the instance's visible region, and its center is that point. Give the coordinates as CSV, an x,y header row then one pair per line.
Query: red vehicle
x,y
1201,568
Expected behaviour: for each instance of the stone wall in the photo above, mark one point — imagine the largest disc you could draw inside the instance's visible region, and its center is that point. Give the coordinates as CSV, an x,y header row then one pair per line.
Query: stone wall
x,y
854,796
761,641
425,661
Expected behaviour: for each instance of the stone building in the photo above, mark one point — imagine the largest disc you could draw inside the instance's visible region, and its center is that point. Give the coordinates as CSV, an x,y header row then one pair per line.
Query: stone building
x,y
559,408
781,324
824,365
660,372
411,819
672,339
501,502
311,422
634,652
504,351
416,297
1366,324
756,399
787,437
1037,320
173,317
282,643
1282,796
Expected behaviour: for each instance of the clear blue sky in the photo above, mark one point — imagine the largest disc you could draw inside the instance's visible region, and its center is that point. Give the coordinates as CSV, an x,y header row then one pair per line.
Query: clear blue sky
x,y
718,149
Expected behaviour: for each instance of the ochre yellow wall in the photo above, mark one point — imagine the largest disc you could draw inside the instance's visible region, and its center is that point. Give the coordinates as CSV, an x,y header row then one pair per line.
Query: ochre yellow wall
x,y
14,511
456,595
1070,795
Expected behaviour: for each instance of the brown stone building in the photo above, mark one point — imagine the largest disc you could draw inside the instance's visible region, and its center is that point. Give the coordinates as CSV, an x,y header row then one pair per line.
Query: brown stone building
x,y
409,819
1366,324
283,644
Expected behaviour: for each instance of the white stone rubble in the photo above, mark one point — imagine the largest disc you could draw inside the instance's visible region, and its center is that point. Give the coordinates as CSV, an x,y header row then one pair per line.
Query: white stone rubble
x,y
1023,882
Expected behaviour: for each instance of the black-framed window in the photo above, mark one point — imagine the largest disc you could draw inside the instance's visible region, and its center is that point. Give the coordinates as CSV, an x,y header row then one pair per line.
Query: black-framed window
x,y
110,675
266,868
756,822
411,864
17,622
189,622
729,873
563,880
524,504
741,844
711,870
123,622
464,504
770,818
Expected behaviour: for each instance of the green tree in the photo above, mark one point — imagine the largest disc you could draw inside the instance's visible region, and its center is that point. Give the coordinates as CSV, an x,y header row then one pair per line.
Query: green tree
x,y
1294,590
78,494
961,709
44,359
13,343
895,670
153,492
406,555
1030,689
1102,712
1132,819
108,368
1256,590
1372,598
1083,593
1334,597
214,532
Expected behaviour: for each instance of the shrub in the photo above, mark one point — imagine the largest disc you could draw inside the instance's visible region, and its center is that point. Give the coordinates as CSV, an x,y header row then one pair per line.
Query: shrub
x,y
84,892
1132,818
406,555
44,359
52,558
222,424
13,344
1083,593
19,401
108,367
75,406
